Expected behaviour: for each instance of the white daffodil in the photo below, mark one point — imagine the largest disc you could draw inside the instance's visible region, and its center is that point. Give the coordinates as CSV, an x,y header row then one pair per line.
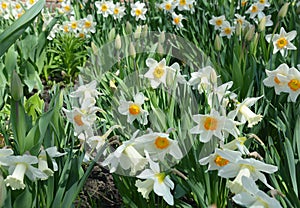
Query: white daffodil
x,y
19,166
217,22
204,79
157,181
66,8
240,20
244,113
282,41
134,110
74,25
138,10
65,27
184,4
216,162
221,94
264,3
269,21
237,143
104,7
168,5
253,197
43,164
30,3
157,72
236,186
158,145
88,25
118,11
293,84
86,94
4,9
4,153
256,168
174,76
227,30
213,125
254,10
126,156
96,142
177,20
277,78
82,119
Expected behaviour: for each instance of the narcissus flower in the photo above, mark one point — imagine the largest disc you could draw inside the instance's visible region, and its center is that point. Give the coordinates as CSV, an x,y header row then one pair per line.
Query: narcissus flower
x,y
244,113
177,20
134,110
157,72
277,78
253,197
158,145
204,79
138,10
216,162
217,21
88,25
282,41
213,125
254,10
126,156
157,181
184,4
19,166
227,30
118,11
168,5
293,84
104,8
264,3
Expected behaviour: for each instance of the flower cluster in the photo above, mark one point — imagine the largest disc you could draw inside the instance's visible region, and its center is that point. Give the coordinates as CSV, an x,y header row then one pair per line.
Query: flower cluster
x,y
284,79
14,9
20,165
256,14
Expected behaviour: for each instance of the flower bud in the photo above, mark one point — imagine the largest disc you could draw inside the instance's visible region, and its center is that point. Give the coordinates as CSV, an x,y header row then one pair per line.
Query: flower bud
x,y
238,29
282,12
262,24
160,50
137,33
145,31
118,43
112,34
132,51
128,28
162,37
16,87
250,33
218,43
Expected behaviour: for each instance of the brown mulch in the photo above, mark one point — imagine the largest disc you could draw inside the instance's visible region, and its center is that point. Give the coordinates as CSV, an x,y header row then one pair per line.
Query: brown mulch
x,y
99,191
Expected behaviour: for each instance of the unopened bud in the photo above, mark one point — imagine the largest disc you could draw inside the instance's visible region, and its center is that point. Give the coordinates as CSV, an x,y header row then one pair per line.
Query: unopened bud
x,y
282,12
250,33
128,28
145,31
137,33
238,29
16,87
160,50
94,48
132,51
262,24
218,43
112,34
162,37
118,43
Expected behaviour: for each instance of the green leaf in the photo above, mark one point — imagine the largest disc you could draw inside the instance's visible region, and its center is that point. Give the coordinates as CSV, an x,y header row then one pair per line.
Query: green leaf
x,y
24,200
14,31
291,163
34,106
10,61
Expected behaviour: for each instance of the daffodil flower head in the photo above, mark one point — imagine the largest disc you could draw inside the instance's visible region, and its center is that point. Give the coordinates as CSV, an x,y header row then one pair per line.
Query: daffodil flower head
x,y
158,145
213,124
19,166
227,30
277,78
157,181
253,197
157,72
177,20
168,5
184,4
138,10
118,11
254,10
104,8
293,84
134,110
217,22
282,41
204,79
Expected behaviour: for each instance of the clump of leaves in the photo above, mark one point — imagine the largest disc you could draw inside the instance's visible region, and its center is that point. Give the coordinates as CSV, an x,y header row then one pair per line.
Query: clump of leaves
x,y
66,54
